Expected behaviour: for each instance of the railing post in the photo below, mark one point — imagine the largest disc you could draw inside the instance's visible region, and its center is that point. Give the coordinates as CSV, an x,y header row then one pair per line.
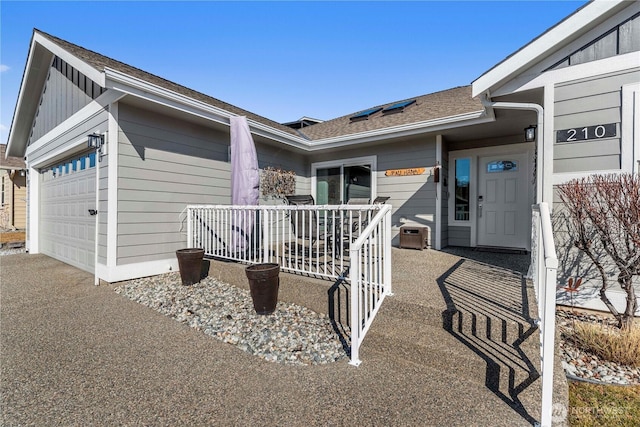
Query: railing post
x,y
387,251
354,274
548,346
189,227
264,217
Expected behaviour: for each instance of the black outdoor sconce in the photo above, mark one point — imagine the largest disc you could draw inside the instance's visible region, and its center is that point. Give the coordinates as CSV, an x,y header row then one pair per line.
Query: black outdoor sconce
x,y
530,133
96,140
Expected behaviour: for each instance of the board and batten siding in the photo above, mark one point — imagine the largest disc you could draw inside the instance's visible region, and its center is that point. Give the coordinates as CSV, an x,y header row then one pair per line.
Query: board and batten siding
x,y
588,102
164,164
66,92
413,197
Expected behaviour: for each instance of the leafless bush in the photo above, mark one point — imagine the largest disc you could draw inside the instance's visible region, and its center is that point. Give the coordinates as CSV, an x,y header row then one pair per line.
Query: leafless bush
x,y
604,218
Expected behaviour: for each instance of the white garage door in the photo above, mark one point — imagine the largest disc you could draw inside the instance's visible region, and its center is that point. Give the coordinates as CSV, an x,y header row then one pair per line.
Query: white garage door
x,y
67,230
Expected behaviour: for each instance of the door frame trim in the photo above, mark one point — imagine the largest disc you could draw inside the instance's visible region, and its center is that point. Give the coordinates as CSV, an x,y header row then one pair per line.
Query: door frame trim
x,y
474,154
353,161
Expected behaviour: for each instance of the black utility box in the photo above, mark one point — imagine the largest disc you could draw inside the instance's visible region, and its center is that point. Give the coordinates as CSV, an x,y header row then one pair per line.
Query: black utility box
x,y
414,237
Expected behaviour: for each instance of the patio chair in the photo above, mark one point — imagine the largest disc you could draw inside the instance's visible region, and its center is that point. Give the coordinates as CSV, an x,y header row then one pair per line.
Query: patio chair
x,y
307,229
381,200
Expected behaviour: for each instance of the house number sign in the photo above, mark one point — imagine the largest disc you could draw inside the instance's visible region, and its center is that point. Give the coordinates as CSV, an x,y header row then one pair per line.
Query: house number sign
x,y
588,132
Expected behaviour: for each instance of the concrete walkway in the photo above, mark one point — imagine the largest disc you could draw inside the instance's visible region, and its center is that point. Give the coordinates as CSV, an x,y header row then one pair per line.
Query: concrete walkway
x,y
453,346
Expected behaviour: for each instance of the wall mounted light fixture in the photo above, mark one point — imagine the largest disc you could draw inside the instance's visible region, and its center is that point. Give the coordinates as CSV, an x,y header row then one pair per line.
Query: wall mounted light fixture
x,y
95,140
530,133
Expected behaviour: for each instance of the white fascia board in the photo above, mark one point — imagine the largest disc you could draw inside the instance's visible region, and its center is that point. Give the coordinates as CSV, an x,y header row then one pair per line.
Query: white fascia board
x,y
156,94
67,57
467,119
139,88
546,43
88,111
613,64
18,134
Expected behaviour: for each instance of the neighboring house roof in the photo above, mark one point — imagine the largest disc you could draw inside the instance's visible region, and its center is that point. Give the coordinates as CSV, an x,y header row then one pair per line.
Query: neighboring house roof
x,y
10,163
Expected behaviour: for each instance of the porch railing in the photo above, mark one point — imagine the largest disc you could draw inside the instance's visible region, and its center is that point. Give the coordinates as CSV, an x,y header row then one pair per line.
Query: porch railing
x,y
544,269
343,242
370,276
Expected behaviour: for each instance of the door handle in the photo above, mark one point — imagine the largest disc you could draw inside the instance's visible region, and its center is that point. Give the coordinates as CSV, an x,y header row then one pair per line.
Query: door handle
x,y
480,200
93,212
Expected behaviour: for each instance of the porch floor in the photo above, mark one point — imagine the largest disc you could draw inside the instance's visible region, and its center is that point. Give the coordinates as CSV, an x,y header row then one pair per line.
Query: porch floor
x,y
453,346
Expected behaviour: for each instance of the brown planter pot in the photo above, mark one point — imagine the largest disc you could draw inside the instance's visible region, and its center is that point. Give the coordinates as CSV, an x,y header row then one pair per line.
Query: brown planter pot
x,y
264,282
190,264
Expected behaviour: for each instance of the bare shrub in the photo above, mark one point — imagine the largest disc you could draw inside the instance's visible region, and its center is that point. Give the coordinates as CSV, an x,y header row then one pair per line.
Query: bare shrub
x,y
604,218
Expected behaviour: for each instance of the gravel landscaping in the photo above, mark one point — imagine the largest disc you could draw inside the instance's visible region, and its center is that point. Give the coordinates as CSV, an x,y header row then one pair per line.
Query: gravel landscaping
x,y
292,335
582,365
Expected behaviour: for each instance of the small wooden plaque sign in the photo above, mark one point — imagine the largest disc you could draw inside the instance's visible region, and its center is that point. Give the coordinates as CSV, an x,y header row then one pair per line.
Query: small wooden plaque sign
x,y
405,172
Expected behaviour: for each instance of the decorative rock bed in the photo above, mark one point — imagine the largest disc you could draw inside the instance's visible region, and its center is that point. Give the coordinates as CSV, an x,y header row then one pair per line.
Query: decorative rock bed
x,y
581,365
292,335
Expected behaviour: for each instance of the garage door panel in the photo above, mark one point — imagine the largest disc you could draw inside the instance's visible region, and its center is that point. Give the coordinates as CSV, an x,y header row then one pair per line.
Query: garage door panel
x,y
67,230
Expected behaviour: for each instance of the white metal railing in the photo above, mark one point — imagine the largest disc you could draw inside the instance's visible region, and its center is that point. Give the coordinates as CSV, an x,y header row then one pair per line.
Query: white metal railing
x,y
339,242
370,276
544,270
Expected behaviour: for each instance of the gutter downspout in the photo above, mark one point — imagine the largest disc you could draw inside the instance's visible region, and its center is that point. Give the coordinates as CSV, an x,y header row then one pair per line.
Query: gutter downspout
x,y
541,157
544,167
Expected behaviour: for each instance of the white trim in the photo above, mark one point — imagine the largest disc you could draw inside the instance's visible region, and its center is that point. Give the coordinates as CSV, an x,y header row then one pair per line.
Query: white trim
x,y
89,111
629,138
549,41
544,162
139,88
97,219
69,58
353,161
630,132
439,194
112,186
133,271
33,229
474,154
587,70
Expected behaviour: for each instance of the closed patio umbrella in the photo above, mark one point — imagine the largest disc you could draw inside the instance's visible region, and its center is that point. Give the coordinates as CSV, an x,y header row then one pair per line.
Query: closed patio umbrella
x,y
245,180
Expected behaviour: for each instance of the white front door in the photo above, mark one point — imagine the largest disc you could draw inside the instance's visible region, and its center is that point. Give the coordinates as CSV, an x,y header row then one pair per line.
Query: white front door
x,y
503,201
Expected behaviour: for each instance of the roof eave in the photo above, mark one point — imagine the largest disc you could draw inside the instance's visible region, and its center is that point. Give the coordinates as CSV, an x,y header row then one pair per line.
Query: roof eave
x,y
541,46
427,126
41,54
134,86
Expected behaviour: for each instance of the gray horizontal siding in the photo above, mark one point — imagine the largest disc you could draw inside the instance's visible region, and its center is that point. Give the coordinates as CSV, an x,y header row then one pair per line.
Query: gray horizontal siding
x,y
589,102
444,199
459,236
164,164
413,197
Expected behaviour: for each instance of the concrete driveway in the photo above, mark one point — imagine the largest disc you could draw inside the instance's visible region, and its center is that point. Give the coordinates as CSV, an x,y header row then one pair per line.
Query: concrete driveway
x,y
75,354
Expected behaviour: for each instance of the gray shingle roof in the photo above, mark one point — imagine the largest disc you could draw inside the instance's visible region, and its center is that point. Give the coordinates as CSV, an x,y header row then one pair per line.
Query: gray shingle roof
x,y
100,62
433,106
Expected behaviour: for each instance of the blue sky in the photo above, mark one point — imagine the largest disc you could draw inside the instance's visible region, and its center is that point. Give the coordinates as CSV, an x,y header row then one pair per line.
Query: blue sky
x,y
285,60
